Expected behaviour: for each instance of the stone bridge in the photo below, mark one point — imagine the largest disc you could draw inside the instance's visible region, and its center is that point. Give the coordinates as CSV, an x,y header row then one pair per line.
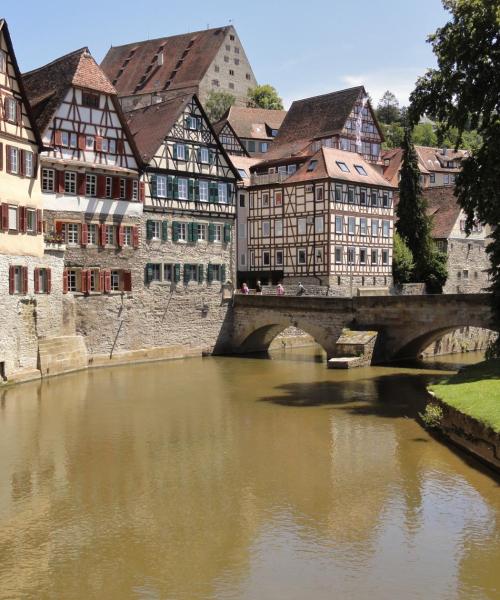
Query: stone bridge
x,y
406,324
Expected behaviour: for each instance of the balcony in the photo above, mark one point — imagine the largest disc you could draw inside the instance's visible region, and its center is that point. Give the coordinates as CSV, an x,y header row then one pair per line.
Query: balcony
x,y
268,178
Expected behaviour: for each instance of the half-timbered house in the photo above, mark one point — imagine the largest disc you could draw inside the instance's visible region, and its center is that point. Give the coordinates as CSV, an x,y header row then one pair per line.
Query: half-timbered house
x,y
229,139
89,173
30,273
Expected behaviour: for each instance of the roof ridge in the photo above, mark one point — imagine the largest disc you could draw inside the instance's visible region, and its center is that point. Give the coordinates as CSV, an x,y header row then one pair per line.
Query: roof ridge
x,y
329,94
175,35
59,59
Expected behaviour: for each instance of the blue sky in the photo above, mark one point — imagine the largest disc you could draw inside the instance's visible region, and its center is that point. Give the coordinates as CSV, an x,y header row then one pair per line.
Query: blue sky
x,y
302,48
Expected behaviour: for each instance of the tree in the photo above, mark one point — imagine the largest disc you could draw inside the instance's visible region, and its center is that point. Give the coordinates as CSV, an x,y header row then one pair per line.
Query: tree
x,y
463,92
388,108
393,134
414,225
218,102
264,96
424,135
402,261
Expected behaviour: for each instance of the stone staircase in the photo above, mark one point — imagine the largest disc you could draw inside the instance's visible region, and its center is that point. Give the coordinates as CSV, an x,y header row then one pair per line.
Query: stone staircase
x,y
62,354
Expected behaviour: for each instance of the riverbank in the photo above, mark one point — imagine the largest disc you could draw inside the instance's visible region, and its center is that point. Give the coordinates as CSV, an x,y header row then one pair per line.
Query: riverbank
x,y
469,410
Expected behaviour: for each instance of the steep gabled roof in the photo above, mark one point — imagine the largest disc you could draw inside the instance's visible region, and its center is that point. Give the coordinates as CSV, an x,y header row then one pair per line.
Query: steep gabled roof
x,y
433,159
254,122
47,86
174,62
219,126
444,209
29,111
151,124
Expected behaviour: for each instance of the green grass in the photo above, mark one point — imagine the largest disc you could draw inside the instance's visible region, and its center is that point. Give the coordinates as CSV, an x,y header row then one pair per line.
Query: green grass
x,y
474,391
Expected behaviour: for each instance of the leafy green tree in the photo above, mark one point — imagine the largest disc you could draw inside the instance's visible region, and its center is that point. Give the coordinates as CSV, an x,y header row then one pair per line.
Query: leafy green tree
x,y
218,103
424,135
388,108
264,96
402,261
463,92
393,134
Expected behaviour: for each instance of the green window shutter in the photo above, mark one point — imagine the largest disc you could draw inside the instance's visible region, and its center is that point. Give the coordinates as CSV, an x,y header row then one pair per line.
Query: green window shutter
x,y
187,273
175,185
210,274
229,193
227,232
213,192
193,229
223,273
164,231
211,232
211,156
149,273
177,273
174,152
196,189
191,189
200,273
149,229
153,186
170,186
175,231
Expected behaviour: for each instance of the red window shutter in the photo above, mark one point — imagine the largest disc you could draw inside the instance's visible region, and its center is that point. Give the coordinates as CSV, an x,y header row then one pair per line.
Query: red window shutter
x,y
80,179
1,157
12,274
35,165
8,164
101,186
89,280
25,280
116,187
59,226
120,235
65,281
107,280
5,217
21,159
102,235
127,281
101,281
142,191
81,141
128,189
39,221
98,143
60,182
135,237
57,137
83,281
19,113
49,280
85,234
36,280
22,218
120,147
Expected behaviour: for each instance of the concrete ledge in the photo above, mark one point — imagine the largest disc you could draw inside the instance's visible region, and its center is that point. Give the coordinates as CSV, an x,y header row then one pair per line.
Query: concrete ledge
x,y
346,362
146,355
21,376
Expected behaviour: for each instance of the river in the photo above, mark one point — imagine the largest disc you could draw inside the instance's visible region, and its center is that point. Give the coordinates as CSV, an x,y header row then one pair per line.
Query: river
x,y
238,478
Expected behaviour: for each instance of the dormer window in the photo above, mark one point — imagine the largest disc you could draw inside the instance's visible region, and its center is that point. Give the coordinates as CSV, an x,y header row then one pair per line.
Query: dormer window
x,y
361,170
342,166
312,166
90,99
274,132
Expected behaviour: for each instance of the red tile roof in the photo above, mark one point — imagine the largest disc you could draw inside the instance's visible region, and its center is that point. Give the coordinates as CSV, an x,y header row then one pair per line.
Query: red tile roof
x,y
174,62
444,209
254,122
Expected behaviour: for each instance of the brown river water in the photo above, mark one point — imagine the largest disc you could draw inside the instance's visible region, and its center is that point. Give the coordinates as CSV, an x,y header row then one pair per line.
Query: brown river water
x,y
239,478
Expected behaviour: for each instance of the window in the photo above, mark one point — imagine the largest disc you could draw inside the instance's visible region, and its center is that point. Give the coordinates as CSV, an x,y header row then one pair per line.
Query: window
x,y
11,109
201,232
115,281
374,198
278,198
18,280
433,177
243,173
180,151
182,232
3,61
351,225
319,224
318,255
386,225
266,229
48,180
14,160
264,147
135,190
216,68
155,230
301,226
242,200
312,165
362,256
351,254
228,47
72,233
374,227
339,224
109,235
204,155
73,277
290,168
203,191
266,258
362,197
301,256
265,200
183,189
282,169
31,220
278,228
338,256
108,187
112,146
13,218
231,37
338,193
123,188
93,232
226,59
342,166
319,193
127,236
192,123
161,186
70,182
223,193
28,164
385,200
41,280
248,76
89,99
465,274
218,233
279,258
236,50
91,185
374,256
350,195
446,179
251,145
168,272
362,226
104,145
89,142
361,170
153,272
231,72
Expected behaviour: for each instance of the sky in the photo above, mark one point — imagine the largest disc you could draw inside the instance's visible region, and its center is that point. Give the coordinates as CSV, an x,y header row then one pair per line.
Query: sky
x,y
302,48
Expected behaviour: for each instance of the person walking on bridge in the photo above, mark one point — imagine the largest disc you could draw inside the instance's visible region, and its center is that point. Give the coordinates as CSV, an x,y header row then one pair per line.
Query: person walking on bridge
x,y
258,288
280,290
302,290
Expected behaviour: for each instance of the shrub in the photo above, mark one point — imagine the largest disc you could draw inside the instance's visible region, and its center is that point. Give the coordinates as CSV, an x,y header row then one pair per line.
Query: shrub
x,y
432,415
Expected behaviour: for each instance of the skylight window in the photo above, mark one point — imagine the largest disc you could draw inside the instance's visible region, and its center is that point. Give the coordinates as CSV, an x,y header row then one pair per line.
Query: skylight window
x,y
342,166
312,165
361,170
243,173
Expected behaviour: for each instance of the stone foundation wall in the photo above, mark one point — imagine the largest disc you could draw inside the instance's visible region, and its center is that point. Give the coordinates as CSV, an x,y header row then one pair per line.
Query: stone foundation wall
x,y
466,339
341,286
467,266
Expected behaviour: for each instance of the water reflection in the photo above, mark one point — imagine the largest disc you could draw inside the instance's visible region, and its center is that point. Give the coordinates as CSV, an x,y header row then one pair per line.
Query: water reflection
x,y
231,478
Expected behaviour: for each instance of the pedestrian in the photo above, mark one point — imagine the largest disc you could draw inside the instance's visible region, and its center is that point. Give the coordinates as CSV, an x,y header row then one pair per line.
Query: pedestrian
x,y
244,289
280,290
258,288
302,290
